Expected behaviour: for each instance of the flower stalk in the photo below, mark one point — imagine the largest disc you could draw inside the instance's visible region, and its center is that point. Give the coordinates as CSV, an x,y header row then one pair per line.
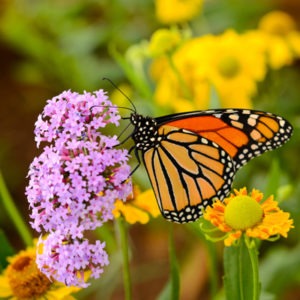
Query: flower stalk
x,y
175,280
125,255
181,81
241,274
253,255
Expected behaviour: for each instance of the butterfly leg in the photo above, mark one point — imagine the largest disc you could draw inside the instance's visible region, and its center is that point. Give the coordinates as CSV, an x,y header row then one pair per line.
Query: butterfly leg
x,y
122,134
138,159
136,153
124,141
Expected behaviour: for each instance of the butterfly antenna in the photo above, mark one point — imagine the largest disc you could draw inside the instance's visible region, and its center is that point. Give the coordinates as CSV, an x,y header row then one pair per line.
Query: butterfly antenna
x,y
111,106
117,88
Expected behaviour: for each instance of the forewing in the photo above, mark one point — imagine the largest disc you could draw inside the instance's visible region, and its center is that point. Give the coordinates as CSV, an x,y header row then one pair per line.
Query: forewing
x,y
243,134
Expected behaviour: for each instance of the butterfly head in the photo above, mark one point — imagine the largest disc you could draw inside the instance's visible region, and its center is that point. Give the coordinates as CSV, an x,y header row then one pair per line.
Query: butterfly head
x,y
145,134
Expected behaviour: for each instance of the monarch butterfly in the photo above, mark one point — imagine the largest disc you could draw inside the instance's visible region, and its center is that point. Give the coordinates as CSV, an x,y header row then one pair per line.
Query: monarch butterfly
x,y
191,158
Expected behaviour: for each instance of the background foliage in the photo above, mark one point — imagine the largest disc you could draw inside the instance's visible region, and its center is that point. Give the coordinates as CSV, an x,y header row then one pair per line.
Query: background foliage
x,y
51,45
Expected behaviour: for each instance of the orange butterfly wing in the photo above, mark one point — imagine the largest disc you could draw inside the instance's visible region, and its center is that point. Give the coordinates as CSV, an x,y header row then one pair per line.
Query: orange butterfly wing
x,y
243,134
186,172
191,158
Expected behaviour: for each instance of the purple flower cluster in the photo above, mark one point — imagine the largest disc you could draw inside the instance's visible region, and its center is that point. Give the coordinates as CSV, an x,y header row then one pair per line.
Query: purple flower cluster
x,y
69,258
74,182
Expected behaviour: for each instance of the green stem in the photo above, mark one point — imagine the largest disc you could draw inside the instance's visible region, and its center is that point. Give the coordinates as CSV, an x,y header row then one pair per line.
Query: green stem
x,y
175,279
186,91
241,270
241,275
125,255
14,214
254,264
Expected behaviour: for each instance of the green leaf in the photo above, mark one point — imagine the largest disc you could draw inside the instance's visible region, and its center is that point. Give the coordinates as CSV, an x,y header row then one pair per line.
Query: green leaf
x,y
267,296
5,250
280,269
166,292
14,213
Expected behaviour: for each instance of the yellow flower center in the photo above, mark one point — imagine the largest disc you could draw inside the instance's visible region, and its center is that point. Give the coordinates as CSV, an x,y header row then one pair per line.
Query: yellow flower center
x,y
243,212
228,66
25,279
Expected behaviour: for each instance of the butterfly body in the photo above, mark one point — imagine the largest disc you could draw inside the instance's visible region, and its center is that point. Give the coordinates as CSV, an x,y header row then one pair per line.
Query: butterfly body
x,y
191,158
145,134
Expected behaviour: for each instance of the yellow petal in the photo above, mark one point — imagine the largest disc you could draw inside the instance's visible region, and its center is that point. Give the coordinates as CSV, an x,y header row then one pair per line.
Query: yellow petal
x,y
5,290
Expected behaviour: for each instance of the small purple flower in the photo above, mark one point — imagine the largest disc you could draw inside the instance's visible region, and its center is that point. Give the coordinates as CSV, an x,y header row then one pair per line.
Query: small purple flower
x,y
79,187
71,117
75,181
67,259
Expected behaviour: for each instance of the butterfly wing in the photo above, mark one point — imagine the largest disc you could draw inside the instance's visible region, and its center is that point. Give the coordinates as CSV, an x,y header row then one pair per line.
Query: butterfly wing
x,y
243,134
187,172
191,158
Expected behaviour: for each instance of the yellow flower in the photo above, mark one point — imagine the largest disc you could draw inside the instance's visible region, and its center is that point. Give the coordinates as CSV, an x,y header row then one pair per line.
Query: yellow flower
x,y
282,41
276,49
22,280
277,23
180,85
294,42
233,66
241,213
139,208
176,11
229,63
164,41
180,92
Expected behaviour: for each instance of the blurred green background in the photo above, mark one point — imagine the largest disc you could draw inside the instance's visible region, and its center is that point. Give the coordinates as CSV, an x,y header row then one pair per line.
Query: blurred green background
x,y
49,46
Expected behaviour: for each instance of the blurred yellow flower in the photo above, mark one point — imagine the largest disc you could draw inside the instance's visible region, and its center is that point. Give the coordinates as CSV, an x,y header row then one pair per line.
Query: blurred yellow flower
x,y
177,11
280,37
277,23
294,42
229,63
233,68
176,90
164,41
241,213
23,280
139,208
275,49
